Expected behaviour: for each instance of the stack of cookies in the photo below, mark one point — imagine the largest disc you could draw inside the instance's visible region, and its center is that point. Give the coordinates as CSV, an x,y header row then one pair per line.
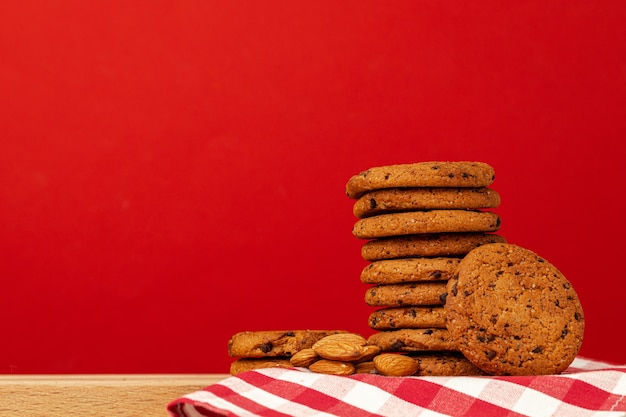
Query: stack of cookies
x,y
451,296
420,220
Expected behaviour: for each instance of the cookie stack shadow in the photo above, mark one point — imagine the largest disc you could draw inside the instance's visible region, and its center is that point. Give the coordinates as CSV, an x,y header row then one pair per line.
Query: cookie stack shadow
x,y
418,221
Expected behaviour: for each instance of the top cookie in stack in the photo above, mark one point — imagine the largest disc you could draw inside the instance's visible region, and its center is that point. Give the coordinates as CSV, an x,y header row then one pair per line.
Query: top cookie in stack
x,y
420,220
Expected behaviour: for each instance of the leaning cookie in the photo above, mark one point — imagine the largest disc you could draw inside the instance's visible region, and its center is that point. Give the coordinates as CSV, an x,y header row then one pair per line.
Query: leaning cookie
x,y
427,245
513,313
420,222
271,343
394,200
421,174
413,340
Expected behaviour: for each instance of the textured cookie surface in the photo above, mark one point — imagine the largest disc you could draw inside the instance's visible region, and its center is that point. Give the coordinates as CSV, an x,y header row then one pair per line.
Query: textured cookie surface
x,y
427,245
445,364
396,271
413,293
413,340
257,344
248,364
411,317
420,222
411,199
513,313
421,174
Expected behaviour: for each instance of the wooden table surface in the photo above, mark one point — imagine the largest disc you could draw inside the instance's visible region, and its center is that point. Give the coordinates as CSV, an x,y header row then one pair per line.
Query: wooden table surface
x,y
96,395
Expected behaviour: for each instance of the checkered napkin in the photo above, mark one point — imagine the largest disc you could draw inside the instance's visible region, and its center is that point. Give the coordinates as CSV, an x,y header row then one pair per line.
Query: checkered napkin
x,y
587,388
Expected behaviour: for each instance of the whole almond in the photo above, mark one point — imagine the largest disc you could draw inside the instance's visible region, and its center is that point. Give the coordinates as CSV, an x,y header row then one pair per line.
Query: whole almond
x,y
304,358
395,364
354,338
369,351
365,368
338,350
325,366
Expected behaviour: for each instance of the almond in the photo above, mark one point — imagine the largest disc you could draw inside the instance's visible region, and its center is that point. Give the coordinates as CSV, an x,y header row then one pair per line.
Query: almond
x,y
325,366
354,338
365,368
338,350
395,364
369,352
304,358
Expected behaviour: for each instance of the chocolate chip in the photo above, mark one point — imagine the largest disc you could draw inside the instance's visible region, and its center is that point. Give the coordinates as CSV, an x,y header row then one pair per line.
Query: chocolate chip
x,y
538,349
266,347
454,289
428,331
490,354
435,275
564,332
443,297
451,175
398,345
556,303
290,334
373,203
576,316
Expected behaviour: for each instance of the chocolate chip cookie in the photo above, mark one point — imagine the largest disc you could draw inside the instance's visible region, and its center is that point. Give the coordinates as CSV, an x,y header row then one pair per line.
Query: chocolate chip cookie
x,y
412,199
420,222
445,364
427,245
410,317
412,293
413,340
397,271
248,364
421,174
511,312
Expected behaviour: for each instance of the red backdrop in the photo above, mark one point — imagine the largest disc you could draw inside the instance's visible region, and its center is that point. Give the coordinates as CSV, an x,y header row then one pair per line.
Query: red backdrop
x,y
173,172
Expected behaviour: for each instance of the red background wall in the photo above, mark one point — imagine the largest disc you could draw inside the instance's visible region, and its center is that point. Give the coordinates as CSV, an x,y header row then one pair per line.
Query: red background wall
x,y
173,172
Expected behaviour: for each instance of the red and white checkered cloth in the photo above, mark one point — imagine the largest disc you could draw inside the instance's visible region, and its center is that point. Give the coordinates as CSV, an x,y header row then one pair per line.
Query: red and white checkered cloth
x,y
587,388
